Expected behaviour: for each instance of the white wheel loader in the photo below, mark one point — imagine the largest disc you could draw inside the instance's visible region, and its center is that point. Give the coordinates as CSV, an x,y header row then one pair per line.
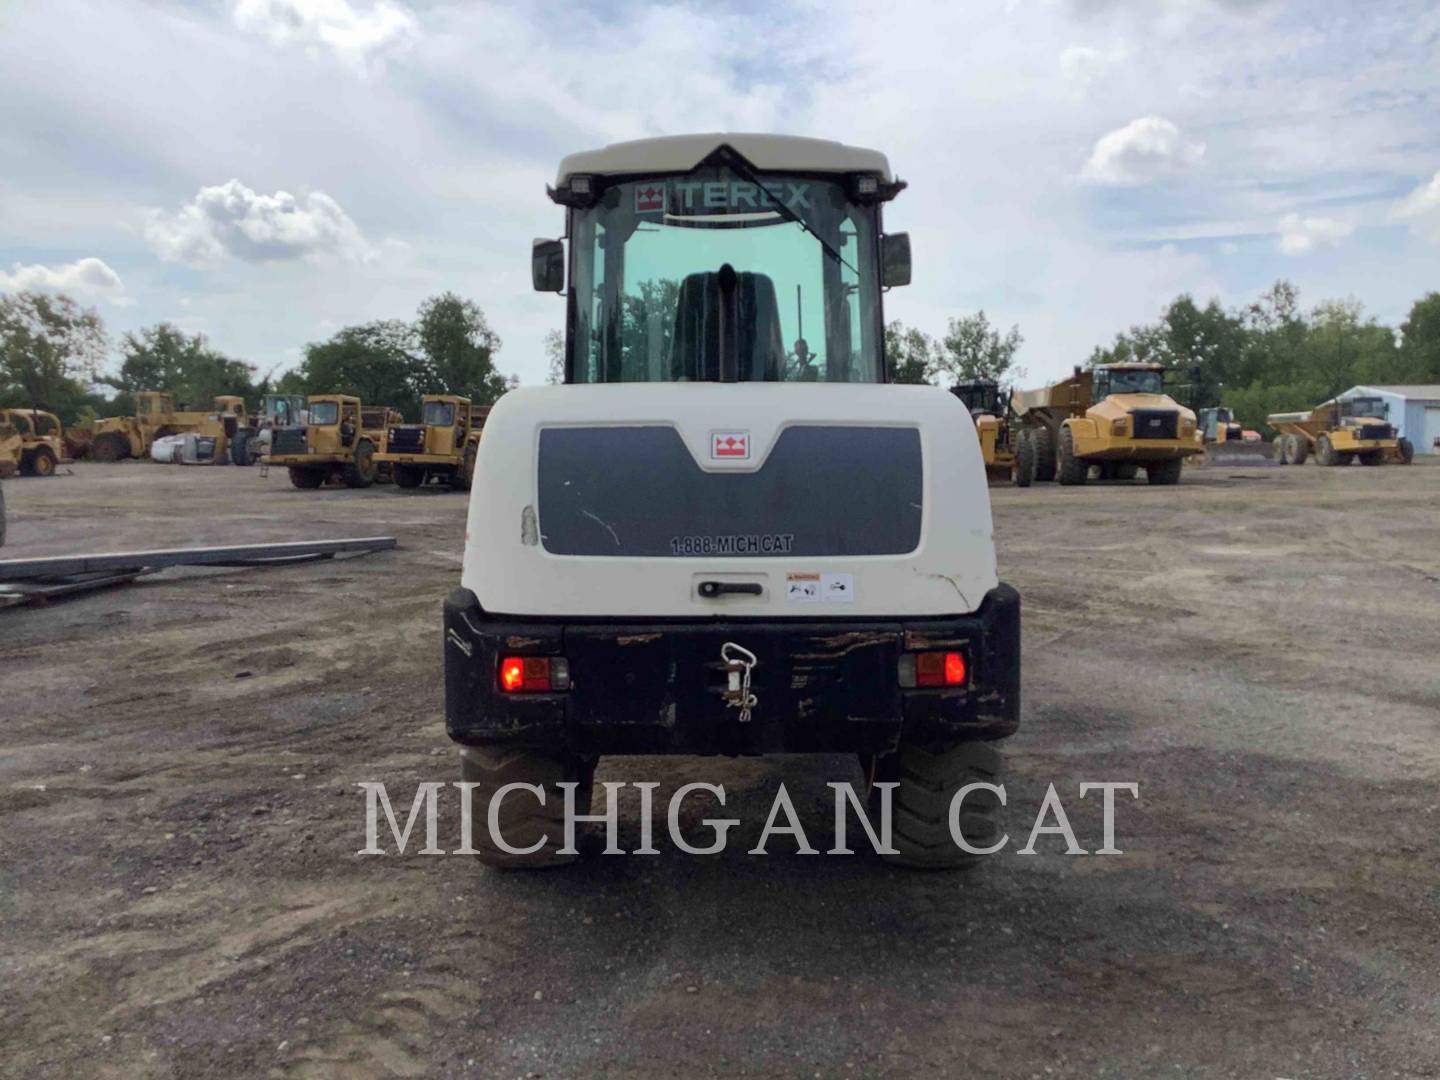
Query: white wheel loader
x,y
726,533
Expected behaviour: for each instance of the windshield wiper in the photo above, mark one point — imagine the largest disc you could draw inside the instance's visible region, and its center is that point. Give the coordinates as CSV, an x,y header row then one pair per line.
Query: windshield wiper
x,y
741,166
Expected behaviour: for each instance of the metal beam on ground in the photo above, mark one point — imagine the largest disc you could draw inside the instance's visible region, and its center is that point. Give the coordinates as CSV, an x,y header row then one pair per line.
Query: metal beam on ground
x,y
119,562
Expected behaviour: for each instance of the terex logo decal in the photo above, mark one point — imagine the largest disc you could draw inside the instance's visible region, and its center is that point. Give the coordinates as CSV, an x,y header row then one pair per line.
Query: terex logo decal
x,y
730,445
649,198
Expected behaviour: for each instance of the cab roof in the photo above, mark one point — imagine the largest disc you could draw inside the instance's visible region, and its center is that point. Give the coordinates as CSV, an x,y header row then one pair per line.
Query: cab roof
x,y
1130,365
681,153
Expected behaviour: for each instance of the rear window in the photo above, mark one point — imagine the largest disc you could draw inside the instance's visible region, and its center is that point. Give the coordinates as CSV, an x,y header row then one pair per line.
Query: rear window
x,y
638,492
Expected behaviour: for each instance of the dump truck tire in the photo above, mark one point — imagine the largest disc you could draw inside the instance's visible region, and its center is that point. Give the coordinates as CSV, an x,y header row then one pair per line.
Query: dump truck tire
x,y
523,821
1024,460
1126,470
1069,470
409,476
43,462
928,780
1372,457
240,449
1406,450
1165,472
1299,449
110,447
1281,444
307,479
1325,452
461,477
360,469
1044,454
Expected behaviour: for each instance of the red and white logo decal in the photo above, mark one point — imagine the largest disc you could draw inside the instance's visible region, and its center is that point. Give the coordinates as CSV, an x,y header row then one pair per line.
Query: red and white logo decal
x,y
649,198
730,445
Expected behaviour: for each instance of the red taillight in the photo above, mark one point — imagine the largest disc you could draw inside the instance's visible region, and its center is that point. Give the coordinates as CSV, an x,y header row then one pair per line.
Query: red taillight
x,y
933,669
529,673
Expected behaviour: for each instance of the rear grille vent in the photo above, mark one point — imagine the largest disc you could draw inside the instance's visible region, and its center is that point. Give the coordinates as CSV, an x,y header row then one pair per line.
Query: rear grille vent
x,y
406,440
288,441
1154,423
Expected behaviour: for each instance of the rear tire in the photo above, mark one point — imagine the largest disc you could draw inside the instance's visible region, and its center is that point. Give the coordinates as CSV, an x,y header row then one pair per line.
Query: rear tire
x,y
1069,470
1044,454
1407,451
409,476
929,779
1165,472
1299,449
306,479
109,447
1325,452
43,463
1024,459
240,449
360,469
1281,443
522,819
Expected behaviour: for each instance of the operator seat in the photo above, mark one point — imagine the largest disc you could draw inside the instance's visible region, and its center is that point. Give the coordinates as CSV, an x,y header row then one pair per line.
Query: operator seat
x,y
695,343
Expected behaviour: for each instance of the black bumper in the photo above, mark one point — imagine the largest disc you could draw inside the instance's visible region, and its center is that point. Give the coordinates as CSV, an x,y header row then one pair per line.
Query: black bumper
x,y
655,687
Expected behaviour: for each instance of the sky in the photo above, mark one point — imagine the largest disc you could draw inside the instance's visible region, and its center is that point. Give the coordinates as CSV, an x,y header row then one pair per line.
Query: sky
x,y
268,171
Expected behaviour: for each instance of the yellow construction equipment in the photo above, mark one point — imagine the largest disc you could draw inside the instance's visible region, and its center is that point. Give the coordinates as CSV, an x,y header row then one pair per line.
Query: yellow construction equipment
x,y
10,446
1115,419
1226,442
441,447
341,440
117,437
1339,433
42,440
1008,457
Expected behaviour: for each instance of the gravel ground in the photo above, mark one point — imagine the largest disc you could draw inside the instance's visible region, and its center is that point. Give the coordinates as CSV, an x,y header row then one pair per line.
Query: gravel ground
x,y
180,893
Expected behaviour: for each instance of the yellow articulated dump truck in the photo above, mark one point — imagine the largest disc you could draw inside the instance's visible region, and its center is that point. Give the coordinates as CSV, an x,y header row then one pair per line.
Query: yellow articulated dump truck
x,y
1115,420
42,440
341,440
1339,433
10,446
1008,456
119,437
441,447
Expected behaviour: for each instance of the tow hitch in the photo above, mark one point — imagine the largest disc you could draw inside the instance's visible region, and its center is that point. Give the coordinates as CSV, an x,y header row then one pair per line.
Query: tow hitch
x,y
736,661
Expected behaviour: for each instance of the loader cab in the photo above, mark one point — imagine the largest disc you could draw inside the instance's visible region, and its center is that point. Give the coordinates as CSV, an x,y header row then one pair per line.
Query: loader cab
x,y
1219,425
151,405
731,270
983,398
282,410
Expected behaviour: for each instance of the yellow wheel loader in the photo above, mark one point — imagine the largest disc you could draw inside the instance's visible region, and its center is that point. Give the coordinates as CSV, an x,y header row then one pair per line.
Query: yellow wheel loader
x,y
341,440
441,447
119,437
1339,433
42,440
1009,454
1227,443
1113,421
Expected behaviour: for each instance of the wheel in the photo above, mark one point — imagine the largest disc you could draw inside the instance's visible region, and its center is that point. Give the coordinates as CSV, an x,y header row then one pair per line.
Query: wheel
x,y
1406,449
1372,457
1325,451
307,479
1281,443
1069,470
409,476
1165,472
42,463
929,779
360,469
1024,459
460,479
1044,453
1299,448
522,820
240,449
1126,470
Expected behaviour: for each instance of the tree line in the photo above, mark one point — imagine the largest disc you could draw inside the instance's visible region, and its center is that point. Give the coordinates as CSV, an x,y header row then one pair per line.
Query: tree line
x,y
1264,357
54,355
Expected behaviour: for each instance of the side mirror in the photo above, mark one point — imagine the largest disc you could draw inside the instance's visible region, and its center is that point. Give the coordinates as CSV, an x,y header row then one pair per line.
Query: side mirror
x,y
895,259
547,266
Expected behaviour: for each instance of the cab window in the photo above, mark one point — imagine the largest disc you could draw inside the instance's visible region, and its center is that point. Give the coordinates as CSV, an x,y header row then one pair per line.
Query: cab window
x,y
439,414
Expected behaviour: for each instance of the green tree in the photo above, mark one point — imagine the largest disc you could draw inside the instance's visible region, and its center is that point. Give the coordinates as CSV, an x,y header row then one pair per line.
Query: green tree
x,y
164,357
50,348
910,353
555,355
1420,344
460,348
972,349
378,362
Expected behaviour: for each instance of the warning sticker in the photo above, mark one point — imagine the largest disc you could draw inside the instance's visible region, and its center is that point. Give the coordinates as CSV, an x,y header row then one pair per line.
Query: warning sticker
x,y
802,588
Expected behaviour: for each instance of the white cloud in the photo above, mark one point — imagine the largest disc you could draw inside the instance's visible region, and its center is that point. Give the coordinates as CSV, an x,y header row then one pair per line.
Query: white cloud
x,y
1302,235
1422,209
352,31
1081,66
231,220
1143,150
89,277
